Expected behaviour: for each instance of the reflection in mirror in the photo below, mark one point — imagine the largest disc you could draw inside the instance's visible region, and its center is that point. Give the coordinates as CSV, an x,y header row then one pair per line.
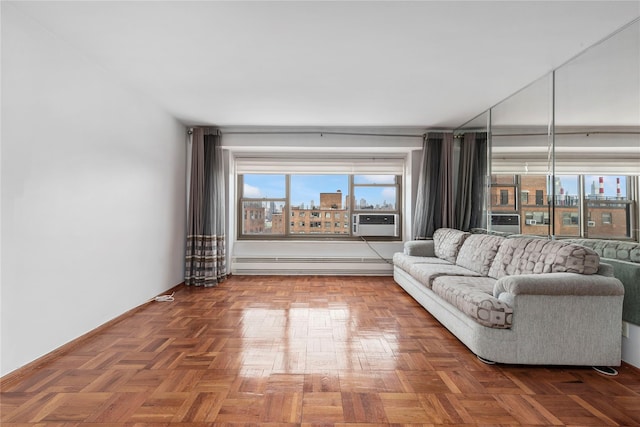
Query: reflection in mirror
x,y
520,161
475,161
597,132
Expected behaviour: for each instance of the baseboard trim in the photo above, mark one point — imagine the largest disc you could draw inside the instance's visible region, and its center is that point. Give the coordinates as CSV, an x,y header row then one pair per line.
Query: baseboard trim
x,y
22,372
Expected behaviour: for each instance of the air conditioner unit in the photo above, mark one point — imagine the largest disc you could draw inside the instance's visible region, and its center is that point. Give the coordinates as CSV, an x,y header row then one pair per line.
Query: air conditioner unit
x,y
531,222
376,225
591,223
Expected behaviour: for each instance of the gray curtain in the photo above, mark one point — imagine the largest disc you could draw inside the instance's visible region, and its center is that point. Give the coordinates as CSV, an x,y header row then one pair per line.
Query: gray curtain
x,y
479,189
437,205
471,173
445,202
205,258
435,192
425,198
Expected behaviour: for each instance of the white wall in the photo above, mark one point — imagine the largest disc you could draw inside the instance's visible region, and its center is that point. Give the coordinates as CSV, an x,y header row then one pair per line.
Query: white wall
x,y
93,180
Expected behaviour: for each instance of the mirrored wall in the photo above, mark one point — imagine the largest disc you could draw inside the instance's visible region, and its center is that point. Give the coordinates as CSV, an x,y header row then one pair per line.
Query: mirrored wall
x,y
565,150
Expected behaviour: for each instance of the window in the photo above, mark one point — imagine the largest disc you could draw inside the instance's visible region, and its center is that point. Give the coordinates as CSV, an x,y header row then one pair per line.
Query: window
x,y
375,192
540,218
583,205
319,196
262,209
608,198
570,218
504,197
318,205
501,187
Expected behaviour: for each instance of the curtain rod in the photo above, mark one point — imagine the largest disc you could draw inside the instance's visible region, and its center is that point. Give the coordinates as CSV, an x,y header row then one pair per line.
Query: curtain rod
x,y
321,133
599,132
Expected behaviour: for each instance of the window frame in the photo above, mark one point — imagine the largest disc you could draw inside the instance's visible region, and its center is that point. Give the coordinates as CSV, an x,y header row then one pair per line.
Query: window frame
x,y
349,210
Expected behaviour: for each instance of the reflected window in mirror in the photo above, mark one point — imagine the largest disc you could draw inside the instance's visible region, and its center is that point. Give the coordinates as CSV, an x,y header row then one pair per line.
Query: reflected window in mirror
x,y
583,205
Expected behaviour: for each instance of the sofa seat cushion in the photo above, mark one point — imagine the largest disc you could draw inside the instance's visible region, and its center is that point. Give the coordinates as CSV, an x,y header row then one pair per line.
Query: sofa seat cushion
x,y
536,256
447,242
478,251
474,297
426,273
406,261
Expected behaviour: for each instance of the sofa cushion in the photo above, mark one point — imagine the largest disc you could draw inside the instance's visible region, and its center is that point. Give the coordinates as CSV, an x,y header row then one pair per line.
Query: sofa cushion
x,y
447,243
419,248
406,261
535,256
614,249
478,251
474,297
426,273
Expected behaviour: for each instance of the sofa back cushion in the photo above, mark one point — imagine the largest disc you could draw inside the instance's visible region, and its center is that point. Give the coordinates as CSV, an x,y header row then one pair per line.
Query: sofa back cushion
x,y
614,249
447,243
526,255
478,251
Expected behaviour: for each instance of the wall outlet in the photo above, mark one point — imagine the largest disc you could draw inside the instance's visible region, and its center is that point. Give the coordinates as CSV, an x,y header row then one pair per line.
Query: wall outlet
x,y
625,329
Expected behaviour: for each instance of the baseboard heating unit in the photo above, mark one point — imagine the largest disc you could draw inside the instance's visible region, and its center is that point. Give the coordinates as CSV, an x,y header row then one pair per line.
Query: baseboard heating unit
x,y
361,266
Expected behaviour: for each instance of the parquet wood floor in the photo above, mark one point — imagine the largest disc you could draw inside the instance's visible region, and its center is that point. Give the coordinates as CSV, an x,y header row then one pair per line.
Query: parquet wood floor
x,y
302,351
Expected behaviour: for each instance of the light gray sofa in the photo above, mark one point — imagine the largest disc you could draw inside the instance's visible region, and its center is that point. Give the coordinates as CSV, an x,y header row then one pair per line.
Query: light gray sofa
x,y
519,300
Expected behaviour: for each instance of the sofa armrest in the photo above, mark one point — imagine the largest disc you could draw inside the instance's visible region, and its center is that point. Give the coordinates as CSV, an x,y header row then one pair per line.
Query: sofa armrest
x,y
605,269
419,248
558,284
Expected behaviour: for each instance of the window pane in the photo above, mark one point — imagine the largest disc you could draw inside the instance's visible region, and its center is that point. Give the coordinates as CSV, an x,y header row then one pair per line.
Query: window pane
x,y
609,208
309,191
375,198
319,197
567,205
258,186
605,187
265,217
502,189
504,197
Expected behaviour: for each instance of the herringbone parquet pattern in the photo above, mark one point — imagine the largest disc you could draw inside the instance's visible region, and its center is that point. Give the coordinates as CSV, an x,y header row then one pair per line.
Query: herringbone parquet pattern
x,y
302,351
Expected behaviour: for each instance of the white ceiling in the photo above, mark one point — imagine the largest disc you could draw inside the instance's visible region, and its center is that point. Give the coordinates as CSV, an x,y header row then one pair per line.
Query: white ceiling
x,y
329,63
